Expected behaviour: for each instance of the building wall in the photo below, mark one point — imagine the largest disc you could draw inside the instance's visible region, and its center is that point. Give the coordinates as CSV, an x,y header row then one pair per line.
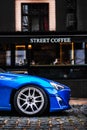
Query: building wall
x,y
81,15
60,15
7,15
78,87
7,20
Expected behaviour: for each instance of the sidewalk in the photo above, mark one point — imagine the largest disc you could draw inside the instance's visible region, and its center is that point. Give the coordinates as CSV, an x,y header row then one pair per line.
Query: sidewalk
x,y
72,119
78,101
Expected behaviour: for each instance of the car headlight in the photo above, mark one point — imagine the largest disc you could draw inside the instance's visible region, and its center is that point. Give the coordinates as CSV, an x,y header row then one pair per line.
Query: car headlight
x,y
57,86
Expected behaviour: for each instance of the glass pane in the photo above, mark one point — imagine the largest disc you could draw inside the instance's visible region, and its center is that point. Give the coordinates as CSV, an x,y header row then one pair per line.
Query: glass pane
x,y
25,23
25,9
20,55
25,29
8,57
35,23
25,20
43,54
35,17
2,57
66,53
80,53
5,55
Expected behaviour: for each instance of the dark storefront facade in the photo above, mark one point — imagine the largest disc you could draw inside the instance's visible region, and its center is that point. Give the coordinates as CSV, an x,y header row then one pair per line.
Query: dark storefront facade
x,y
51,55
46,38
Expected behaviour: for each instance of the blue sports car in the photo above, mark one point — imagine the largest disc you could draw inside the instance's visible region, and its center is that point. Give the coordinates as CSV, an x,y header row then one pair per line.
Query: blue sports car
x,y
32,95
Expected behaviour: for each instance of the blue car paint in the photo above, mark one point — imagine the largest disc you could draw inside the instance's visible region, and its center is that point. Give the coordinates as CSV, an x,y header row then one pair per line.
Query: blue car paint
x,y
9,81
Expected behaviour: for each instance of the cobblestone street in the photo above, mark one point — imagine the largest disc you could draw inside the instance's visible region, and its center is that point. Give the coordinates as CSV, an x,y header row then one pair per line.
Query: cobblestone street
x,y
73,119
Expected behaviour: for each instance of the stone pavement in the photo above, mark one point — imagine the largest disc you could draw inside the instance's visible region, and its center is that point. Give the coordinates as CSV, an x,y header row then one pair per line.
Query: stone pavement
x,y
73,119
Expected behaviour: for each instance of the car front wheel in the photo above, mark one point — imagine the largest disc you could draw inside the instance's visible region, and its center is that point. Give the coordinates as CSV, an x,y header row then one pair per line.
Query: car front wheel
x,y
30,100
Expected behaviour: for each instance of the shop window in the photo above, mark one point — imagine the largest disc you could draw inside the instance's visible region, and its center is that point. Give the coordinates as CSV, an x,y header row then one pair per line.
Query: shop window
x,y
43,54
80,53
49,54
86,53
5,55
55,54
8,57
20,55
66,53
2,57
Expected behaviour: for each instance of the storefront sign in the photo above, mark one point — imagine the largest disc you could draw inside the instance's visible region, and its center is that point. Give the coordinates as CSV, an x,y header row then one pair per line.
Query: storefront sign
x,y
50,40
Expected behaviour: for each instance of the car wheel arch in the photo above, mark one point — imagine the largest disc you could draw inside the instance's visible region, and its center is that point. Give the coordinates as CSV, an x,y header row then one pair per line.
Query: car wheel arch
x,y
37,86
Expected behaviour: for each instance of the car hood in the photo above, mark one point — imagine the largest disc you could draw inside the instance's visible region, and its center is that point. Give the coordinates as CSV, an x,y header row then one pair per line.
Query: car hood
x,y
20,79
13,76
15,81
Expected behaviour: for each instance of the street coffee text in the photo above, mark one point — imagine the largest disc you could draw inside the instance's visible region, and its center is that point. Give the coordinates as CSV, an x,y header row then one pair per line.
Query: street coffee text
x,y
50,40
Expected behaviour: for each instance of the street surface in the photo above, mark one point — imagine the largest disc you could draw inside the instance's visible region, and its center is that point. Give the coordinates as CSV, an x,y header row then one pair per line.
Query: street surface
x,y
73,119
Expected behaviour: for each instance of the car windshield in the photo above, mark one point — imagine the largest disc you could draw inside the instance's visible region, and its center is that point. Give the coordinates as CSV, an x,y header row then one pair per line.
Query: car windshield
x,y
1,70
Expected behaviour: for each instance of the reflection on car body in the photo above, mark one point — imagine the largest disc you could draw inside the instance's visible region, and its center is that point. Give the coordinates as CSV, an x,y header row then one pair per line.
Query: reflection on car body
x,y
32,95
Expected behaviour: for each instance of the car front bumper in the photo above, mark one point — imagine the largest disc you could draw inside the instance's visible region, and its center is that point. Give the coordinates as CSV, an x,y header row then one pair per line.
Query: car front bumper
x,y
60,101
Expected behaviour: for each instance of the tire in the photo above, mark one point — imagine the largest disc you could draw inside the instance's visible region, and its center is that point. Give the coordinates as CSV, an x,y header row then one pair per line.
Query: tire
x,y
30,100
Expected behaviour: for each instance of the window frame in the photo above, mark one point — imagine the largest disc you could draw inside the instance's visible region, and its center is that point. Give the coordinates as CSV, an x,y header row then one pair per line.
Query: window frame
x,y
52,13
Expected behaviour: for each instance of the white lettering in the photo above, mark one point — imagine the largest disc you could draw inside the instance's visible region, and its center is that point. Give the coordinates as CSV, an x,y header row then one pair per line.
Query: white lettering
x,y
49,40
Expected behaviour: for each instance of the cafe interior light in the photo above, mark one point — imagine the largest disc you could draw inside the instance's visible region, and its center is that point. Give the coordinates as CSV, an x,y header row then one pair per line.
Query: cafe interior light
x,y
29,46
20,46
23,46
